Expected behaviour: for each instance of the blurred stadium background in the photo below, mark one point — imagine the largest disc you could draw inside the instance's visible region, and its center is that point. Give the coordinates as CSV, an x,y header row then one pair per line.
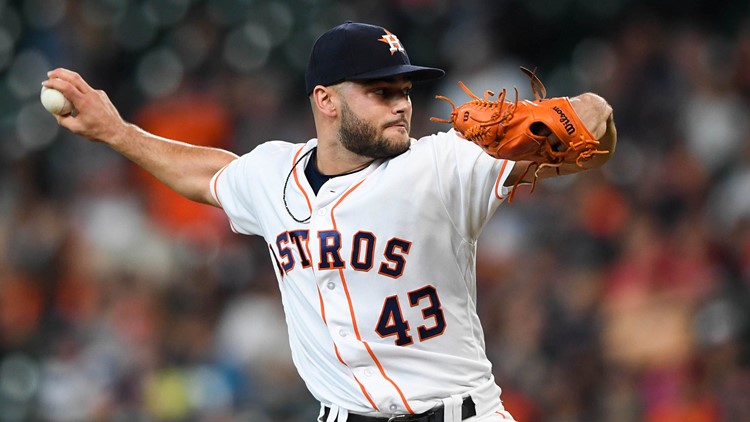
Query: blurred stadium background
x,y
621,295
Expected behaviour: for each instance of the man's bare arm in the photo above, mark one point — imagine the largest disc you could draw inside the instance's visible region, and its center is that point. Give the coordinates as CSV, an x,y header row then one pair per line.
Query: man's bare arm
x,y
185,168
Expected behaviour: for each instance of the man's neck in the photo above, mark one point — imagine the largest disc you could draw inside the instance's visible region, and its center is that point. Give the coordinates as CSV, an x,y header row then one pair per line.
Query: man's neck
x,y
338,160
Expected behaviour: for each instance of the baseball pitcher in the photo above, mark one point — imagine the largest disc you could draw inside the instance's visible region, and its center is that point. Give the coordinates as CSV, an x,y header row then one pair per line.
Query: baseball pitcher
x,y
373,234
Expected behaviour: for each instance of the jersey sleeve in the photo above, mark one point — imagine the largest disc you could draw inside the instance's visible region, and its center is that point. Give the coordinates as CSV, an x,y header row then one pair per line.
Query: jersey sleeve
x,y
470,181
232,188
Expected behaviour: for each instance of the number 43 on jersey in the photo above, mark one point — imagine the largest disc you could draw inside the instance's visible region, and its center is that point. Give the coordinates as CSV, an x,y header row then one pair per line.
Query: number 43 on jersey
x,y
392,322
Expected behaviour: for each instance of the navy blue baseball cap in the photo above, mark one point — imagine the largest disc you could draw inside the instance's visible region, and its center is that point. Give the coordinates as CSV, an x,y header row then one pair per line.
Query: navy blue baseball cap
x,y
358,51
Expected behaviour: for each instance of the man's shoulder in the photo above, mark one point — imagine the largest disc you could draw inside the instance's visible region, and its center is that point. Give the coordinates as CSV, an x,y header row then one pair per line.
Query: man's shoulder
x,y
439,137
277,149
280,146
272,157
443,141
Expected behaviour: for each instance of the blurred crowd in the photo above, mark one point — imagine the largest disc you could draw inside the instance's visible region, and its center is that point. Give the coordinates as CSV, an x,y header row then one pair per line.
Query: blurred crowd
x,y
618,295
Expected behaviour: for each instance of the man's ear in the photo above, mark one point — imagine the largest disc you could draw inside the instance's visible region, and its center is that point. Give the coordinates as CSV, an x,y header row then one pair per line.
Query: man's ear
x,y
324,99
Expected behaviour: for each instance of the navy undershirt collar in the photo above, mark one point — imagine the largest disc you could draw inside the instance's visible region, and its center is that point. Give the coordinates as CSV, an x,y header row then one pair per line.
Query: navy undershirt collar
x,y
318,179
314,177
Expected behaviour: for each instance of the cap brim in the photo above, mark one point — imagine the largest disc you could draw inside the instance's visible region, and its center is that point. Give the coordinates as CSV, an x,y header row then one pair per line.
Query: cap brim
x,y
415,73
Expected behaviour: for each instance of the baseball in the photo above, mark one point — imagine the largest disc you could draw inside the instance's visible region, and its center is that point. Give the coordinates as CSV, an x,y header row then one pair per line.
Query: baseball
x,y
55,102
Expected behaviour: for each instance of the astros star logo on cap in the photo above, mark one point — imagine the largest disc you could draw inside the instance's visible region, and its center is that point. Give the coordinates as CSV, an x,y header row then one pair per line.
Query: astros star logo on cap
x,y
392,41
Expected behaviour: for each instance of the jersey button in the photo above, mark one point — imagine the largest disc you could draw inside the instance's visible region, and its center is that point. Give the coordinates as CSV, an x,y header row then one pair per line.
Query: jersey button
x,y
322,211
393,407
342,333
331,285
368,372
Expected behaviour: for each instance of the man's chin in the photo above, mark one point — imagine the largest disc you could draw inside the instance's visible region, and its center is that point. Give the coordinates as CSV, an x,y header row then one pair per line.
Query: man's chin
x,y
402,148
400,143
394,149
398,136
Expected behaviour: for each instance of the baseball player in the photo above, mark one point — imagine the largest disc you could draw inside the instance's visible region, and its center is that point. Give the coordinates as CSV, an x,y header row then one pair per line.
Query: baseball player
x,y
372,233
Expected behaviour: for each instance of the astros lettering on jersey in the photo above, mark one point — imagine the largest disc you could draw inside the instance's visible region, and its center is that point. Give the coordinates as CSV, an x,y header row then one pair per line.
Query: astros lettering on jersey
x,y
379,293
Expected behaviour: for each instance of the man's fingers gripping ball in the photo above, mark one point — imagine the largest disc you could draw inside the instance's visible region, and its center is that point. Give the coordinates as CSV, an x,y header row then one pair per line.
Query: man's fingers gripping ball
x,y
55,102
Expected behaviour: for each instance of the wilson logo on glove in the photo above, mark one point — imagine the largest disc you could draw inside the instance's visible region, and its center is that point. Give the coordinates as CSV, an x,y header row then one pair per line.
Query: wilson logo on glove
x,y
564,120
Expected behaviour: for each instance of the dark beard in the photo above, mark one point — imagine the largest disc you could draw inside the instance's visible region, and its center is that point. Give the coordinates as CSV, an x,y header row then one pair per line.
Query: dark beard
x,y
360,138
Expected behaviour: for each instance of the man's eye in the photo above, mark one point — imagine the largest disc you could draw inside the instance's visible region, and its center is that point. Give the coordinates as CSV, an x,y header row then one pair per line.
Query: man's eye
x,y
388,92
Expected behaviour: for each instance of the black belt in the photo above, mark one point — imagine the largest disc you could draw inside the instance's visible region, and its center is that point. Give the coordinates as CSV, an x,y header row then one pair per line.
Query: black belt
x,y
468,409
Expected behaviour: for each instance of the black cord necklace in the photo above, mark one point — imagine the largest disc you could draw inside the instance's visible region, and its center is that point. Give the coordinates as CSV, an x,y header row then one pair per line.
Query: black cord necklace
x,y
283,194
315,178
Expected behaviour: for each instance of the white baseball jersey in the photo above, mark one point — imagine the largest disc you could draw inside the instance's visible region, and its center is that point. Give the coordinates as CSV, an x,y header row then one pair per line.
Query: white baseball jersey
x,y
378,286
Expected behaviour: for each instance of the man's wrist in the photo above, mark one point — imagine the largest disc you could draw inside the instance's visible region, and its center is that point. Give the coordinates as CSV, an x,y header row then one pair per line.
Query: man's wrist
x,y
121,135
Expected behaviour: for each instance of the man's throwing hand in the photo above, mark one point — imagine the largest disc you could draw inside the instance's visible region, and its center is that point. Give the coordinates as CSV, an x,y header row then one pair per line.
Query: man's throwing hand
x,y
96,118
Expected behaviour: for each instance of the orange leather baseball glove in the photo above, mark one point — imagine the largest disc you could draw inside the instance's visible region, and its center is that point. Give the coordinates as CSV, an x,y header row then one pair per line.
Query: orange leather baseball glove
x,y
522,130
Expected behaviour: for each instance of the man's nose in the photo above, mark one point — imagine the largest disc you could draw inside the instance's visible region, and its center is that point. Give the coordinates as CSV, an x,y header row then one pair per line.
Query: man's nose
x,y
402,104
